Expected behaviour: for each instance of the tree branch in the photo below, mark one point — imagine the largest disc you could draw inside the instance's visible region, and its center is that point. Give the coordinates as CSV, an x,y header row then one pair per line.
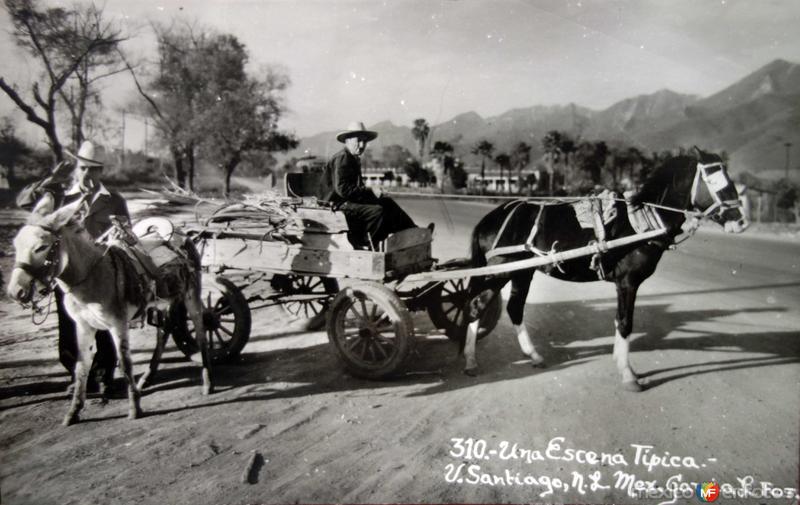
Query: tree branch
x,y
27,109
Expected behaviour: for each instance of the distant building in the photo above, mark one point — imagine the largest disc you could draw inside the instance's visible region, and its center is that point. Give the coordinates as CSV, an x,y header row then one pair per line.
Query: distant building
x,y
378,176
508,183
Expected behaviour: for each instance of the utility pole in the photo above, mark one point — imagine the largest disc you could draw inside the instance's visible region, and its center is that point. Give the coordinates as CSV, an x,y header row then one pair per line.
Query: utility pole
x,y
123,136
788,148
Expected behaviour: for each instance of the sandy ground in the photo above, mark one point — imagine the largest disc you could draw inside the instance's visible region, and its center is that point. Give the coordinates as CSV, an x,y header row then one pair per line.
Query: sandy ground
x,y
717,341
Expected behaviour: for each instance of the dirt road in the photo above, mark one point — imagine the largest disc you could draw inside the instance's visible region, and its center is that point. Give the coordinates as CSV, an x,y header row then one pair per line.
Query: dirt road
x,y
716,338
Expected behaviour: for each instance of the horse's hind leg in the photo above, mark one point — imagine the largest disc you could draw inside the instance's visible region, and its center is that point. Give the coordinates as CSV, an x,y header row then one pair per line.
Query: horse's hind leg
x,y
85,337
520,285
626,299
481,294
195,308
122,343
155,360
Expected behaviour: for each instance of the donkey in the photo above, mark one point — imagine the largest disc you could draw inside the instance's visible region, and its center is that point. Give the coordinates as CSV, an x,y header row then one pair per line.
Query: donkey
x,y
683,185
101,292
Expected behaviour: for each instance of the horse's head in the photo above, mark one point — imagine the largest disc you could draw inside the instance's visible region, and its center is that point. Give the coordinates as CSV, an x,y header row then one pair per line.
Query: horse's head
x,y
39,255
715,195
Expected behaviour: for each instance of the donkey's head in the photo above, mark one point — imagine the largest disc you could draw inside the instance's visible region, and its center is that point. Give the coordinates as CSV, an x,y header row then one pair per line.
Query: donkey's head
x,y
715,195
37,246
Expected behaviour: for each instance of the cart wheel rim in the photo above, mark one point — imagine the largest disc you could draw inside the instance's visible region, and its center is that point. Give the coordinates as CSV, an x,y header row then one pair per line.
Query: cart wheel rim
x,y
307,285
368,333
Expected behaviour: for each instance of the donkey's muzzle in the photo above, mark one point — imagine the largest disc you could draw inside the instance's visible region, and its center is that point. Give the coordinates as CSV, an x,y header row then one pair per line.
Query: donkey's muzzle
x,y
20,286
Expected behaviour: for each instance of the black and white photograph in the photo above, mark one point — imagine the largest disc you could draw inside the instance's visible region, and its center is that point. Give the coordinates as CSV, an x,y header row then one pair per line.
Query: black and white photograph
x,y
410,251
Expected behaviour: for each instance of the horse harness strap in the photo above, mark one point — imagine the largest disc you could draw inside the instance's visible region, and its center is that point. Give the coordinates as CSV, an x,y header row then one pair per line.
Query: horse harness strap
x,y
715,182
513,249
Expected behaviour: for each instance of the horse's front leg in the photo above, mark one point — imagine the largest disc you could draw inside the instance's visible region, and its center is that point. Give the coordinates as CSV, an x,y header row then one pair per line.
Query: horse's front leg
x,y
194,306
626,300
86,341
520,285
119,332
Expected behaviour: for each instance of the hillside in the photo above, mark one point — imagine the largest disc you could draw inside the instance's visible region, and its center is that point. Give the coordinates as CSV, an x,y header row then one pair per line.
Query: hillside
x,y
751,120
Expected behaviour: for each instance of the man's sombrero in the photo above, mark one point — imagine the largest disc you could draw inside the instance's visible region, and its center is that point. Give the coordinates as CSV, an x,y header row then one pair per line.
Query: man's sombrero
x,y
88,155
356,129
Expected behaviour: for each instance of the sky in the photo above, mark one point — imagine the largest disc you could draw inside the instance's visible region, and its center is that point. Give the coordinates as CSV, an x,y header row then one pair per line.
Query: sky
x,y
400,60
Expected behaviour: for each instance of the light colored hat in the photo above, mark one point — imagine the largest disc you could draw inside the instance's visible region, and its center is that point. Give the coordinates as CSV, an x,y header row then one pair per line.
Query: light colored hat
x,y
356,129
88,155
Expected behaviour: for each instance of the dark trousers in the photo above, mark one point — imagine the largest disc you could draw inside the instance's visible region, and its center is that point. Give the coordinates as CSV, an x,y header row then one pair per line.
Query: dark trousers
x,y
377,219
105,357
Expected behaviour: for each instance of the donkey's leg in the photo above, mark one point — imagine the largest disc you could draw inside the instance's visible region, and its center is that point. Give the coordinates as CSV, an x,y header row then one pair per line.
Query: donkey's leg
x,y
86,342
520,285
122,343
626,299
195,308
147,377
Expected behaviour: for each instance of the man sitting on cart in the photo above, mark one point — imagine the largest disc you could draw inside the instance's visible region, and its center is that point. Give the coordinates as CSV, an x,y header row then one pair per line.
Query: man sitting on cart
x,y
370,215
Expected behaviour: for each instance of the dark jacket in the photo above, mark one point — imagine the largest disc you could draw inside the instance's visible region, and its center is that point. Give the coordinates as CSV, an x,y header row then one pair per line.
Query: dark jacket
x,y
342,182
96,219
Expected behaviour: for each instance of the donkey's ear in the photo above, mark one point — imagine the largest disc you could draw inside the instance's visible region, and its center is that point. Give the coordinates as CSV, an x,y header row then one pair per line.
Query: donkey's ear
x,y
699,152
62,216
44,206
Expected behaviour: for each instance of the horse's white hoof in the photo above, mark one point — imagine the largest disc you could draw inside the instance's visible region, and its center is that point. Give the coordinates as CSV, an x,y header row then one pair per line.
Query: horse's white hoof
x,y
135,414
632,386
472,371
69,420
537,361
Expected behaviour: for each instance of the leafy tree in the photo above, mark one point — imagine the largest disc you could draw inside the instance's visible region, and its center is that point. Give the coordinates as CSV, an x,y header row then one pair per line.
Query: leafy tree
x,y
62,41
504,162
244,118
12,149
441,149
458,176
395,156
420,132
484,149
521,157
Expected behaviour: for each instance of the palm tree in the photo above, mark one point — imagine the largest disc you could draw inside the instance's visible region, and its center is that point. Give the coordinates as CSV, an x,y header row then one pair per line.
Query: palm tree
x,y
420,132
551,144
503,161
522,156
484,149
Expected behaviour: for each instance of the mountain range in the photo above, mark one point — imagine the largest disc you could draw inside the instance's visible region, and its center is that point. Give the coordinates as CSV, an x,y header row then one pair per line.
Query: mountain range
x,y
752,120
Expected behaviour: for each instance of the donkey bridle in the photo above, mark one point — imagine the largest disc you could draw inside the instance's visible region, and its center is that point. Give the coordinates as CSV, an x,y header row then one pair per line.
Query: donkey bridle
x,y
47,272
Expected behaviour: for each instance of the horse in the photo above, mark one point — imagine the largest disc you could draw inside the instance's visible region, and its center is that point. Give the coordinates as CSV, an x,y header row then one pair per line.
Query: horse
x,y
683,186
101,292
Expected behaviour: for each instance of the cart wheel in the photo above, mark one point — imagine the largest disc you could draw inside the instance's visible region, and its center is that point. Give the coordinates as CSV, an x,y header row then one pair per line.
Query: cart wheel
x,y
370,330
226,317
311,312
447,305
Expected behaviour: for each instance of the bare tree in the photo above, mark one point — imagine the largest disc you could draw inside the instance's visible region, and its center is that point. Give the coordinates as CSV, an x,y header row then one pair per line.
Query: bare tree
x,y
81,92
53,38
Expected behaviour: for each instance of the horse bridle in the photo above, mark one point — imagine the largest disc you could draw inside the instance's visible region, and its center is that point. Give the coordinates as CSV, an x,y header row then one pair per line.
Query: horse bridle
x,y
715,182
47,272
